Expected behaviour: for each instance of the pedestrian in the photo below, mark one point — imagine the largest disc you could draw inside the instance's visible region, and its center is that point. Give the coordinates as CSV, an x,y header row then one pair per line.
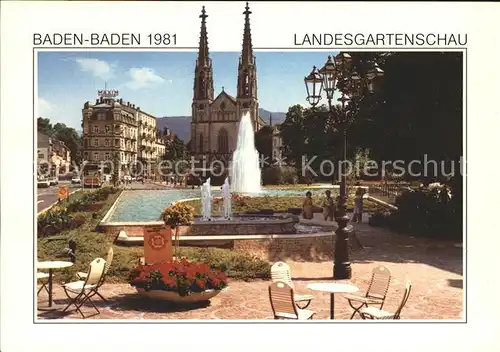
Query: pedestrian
x,y
328,206
307,206
358,205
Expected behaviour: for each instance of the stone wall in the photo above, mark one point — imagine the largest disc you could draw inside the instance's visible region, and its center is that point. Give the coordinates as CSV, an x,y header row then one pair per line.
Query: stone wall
x,y
265,227
281,249
136,230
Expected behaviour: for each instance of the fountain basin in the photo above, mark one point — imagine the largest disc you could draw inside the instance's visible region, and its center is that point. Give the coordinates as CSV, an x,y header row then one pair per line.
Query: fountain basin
x,y
238,225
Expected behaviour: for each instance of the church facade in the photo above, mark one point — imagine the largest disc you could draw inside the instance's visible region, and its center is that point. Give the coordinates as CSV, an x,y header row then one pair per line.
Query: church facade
x,y
215,120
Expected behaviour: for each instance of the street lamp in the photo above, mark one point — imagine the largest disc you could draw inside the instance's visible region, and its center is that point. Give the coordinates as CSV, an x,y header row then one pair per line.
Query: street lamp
x,y
338,74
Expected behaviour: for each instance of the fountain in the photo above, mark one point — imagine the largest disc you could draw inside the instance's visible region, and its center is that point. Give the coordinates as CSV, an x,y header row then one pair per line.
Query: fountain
x,y
226,196
206,200
245,170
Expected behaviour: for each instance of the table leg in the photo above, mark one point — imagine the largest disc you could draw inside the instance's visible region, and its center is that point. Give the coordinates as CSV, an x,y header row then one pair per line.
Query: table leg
x,y
50,287
332,305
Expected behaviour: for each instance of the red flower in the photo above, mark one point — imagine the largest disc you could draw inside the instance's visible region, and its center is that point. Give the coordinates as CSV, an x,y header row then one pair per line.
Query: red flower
x,y
178,276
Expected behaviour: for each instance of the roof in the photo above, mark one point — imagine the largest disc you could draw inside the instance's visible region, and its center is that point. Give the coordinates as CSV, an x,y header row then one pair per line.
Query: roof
x,y
102,105
223,93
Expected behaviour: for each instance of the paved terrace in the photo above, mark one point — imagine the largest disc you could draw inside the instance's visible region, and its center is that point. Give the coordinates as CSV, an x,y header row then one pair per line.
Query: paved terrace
x,y
434,267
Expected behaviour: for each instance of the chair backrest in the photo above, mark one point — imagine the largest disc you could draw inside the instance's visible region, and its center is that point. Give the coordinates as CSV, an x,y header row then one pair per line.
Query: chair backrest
x,y
96,272
109,260
280,271
281,298
404,300
379,284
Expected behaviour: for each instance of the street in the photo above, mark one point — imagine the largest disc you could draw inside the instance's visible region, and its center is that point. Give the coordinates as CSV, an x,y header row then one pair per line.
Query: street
x,y
48,196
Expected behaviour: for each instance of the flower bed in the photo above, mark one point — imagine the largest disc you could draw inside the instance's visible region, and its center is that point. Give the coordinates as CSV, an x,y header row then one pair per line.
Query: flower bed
x,y
61,217
245,204
182,277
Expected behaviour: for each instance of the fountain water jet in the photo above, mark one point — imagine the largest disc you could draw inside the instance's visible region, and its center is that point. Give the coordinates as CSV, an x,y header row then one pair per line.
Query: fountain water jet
x,y
226,196
245,170
206,200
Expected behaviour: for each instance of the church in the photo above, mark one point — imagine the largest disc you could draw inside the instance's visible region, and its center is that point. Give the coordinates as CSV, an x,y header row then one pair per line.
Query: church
x,y
215,120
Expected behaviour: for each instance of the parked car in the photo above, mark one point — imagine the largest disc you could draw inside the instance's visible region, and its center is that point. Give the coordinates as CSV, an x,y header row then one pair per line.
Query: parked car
x,y
76,180
43,182
53,181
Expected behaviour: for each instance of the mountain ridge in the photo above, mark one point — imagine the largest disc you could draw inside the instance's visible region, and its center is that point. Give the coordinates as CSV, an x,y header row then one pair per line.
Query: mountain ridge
x,y
181,125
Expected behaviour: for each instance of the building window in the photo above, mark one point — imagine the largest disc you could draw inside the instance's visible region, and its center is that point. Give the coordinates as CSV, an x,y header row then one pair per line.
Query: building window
x,y
117,142
101,116
122,156
107,156
222,141
96,156
96,142
96,129
200,143
85,156
106,142
107,128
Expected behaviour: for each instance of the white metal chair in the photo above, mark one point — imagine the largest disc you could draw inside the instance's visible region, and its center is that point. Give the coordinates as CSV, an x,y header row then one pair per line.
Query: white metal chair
x,y
109,260
283,305
79,292
280,271
375,313
42,277
376,293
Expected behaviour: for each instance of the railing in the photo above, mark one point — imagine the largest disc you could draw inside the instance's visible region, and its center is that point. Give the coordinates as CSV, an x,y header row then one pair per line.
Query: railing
x,y
390,190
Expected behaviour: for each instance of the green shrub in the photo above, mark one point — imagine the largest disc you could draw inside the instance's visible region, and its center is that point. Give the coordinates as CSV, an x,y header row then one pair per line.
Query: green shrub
x,y
178,214
53,221
427,212
236,265
276,175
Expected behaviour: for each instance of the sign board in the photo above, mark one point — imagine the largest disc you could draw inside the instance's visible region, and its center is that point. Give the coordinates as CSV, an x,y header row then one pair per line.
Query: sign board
x,y
108,93
157,244
63,192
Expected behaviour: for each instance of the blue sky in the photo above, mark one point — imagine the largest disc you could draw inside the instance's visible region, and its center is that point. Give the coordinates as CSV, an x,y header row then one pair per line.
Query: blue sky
x,y
161,83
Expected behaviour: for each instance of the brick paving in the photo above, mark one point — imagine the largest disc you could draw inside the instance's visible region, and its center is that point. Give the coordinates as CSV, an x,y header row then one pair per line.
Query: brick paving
x,y
434,267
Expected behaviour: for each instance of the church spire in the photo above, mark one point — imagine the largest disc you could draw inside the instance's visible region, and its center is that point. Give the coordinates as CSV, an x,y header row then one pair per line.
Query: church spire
x,y
203,80
203,58
247,52
247,71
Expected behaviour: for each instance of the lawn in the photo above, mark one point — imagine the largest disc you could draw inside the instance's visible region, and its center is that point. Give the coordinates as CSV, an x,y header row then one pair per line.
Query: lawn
x,y
91,244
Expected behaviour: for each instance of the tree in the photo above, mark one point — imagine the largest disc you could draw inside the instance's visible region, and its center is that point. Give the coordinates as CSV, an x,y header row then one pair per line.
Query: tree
x,y
310,134
115,177
263,143
418,112
175,150
293,136
63,133
44,126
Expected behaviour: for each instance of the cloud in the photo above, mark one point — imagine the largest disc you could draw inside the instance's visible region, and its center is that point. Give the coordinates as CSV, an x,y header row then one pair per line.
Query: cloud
x,y
45,108
96,67
143,77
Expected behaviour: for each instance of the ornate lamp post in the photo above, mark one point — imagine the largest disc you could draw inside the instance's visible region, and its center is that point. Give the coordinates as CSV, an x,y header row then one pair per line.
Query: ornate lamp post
x,y
338,74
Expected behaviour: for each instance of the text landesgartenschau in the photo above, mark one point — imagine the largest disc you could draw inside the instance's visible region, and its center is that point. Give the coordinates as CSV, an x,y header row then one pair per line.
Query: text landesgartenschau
x,y
104,39
380,39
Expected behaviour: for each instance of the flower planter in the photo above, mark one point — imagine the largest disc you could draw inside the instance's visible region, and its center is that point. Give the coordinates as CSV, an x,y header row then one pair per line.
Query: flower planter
x,y
176,298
